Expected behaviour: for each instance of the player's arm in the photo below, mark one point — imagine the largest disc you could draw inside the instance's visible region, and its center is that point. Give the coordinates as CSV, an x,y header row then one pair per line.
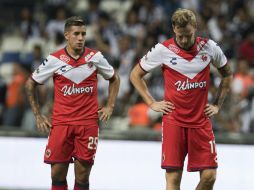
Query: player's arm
x,y
138,82
113,88
42,122
226,78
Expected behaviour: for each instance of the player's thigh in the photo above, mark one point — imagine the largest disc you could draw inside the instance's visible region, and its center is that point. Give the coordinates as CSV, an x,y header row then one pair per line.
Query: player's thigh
x,y
202,152
174,176
174,146
59,171
208,175
82,170
86,141
60,145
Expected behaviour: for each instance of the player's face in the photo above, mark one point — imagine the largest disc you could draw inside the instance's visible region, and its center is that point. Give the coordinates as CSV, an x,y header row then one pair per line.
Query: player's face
x,y
75,37
185,36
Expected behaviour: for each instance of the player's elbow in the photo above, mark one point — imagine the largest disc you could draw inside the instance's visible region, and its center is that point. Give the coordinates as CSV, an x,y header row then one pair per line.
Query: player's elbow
x,y
134,75
29,84
115,79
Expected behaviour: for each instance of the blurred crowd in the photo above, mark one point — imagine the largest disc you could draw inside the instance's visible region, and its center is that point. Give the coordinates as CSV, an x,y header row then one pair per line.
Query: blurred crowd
x,y
123,30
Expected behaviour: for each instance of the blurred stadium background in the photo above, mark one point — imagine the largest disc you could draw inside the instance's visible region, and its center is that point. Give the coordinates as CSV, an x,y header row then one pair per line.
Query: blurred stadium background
x,y
123,30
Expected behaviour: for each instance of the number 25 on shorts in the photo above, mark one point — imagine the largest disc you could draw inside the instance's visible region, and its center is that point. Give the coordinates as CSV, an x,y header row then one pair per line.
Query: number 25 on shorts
x,y
92,143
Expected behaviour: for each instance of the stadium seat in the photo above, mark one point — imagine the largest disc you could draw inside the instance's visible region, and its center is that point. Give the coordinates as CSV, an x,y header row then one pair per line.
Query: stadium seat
x,y
10,57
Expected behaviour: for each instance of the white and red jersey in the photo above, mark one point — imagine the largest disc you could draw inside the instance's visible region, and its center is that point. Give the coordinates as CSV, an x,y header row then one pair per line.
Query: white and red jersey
x,y
186,77
75,85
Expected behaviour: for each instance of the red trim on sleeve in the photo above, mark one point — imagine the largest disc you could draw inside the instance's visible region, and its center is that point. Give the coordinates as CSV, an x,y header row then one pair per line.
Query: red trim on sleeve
x,y
142,67
112,76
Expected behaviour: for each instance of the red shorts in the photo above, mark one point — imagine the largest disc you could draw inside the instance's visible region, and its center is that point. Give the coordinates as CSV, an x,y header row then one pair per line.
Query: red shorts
x,y
198,143
67,142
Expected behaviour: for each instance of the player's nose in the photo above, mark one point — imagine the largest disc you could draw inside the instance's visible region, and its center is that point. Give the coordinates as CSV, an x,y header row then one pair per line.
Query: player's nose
x,y
81,37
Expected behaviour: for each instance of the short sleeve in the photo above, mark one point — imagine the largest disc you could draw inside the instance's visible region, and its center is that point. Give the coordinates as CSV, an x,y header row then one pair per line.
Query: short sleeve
x,y
218,57
152,59
45,70
102,65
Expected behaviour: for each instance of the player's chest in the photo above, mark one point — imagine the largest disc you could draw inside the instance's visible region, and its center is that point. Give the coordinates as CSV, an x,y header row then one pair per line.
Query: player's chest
x,y
76,74
188,65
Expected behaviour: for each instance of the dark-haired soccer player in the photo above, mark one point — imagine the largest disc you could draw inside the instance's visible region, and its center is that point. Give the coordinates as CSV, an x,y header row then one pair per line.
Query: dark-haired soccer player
x,y
73,129
185,61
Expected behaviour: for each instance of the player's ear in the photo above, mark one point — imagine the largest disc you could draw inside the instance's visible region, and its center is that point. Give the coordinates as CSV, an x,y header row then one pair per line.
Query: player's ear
x,y
173,27
195,26
66,35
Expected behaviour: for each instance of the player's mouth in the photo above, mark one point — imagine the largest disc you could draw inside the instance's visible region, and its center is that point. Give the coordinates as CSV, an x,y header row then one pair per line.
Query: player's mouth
x,y
80,44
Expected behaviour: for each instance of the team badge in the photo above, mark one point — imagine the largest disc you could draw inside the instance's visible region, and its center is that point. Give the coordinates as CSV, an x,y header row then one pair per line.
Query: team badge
x,y
204,58
90,64
163,157
47,153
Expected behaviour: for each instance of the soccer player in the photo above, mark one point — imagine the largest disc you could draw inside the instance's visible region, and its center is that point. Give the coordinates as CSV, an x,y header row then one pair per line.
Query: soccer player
x,y
185,61
73,128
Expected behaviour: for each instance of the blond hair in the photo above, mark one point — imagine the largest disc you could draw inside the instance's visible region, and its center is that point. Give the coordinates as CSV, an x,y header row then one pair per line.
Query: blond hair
x,y
182,17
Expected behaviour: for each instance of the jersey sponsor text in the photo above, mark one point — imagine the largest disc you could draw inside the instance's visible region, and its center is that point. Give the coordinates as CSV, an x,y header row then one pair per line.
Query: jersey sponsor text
x,y
186,85
69,90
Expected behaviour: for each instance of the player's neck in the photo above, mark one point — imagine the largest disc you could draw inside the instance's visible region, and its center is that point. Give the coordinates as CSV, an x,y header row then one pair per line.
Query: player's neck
x,y
185,48
73,52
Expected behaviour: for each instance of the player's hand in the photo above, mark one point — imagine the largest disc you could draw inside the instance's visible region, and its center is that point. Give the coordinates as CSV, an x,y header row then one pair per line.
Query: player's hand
x,y
105,113
211,110
162,106
43,123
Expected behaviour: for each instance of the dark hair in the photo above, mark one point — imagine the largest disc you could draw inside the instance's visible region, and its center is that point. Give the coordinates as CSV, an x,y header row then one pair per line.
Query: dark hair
x,y
73,21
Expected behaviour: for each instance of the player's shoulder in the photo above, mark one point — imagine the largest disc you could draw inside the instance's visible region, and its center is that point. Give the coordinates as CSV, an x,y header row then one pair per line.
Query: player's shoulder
x,y
168,42
89,50
60,54
205,41
171,45
90,53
